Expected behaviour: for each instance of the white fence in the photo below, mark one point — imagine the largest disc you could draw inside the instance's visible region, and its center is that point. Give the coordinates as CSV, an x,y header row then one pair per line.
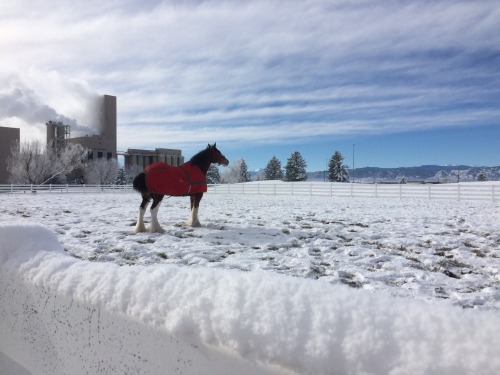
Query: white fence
x,y
15,189
463,191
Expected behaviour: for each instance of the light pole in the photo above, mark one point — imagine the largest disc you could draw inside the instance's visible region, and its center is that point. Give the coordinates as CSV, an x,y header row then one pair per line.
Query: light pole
x,y
353,169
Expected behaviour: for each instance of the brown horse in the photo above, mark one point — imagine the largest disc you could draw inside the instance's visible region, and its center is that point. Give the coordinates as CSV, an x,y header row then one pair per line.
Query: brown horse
x,y
160,179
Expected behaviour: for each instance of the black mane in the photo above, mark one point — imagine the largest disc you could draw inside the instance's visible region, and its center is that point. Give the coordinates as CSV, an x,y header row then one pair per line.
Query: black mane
x,y
201,160
199,157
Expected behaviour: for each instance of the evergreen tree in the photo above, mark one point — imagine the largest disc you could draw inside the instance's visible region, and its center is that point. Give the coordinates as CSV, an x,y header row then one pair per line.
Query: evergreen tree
x,y
273,170
295,169
213,176
244,175
337,171
482,176
121,179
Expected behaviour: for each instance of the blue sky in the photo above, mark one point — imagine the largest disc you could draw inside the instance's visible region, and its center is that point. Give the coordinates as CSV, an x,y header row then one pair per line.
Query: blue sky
x,y
409,83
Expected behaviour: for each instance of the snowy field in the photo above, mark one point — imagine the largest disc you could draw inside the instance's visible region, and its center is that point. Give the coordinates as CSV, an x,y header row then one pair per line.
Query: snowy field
x,y
443,252
269,285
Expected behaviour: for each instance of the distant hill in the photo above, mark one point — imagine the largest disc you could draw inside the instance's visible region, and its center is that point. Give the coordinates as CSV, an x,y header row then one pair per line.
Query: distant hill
x,y
425,173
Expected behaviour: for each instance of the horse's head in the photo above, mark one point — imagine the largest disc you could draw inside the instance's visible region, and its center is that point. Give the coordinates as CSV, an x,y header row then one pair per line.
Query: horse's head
x,y
217,156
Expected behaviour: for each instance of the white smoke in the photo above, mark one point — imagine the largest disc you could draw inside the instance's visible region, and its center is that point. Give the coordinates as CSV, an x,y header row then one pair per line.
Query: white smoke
x,y
31,102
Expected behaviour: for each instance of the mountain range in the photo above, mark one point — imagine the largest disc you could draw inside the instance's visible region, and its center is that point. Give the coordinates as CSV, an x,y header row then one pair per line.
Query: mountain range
x,y
424,173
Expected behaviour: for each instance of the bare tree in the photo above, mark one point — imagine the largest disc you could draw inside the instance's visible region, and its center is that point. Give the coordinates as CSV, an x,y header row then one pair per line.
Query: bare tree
x,y
33,163
102,172
233,172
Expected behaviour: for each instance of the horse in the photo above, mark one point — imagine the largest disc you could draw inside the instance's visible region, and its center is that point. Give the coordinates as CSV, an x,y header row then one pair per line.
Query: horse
x,y
160,179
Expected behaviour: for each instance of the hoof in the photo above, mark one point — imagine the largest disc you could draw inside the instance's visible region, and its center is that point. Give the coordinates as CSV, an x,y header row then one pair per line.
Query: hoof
x,y
195,224
157,230
139,229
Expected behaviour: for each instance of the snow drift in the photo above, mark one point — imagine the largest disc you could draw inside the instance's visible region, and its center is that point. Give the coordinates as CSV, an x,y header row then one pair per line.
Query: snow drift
x,y
61,315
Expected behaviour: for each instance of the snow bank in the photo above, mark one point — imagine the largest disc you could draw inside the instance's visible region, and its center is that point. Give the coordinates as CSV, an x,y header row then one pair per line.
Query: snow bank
x,y
61,315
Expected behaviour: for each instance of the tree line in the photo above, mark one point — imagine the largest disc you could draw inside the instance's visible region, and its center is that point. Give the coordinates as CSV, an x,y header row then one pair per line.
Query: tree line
x,y
295,170
34,163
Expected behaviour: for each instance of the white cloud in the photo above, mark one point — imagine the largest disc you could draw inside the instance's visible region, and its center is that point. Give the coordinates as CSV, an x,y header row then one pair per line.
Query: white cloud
x,y
258,68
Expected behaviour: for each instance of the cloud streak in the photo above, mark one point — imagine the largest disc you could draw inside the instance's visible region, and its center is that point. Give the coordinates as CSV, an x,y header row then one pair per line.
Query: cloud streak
x,y
266,71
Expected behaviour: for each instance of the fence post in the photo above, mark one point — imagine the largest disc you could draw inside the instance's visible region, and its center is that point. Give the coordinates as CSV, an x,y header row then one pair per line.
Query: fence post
x,y
67,188
493,193
331,189
400,191
458,192
11,188
352,189
310,189
292,188
376,190
31,188
429,192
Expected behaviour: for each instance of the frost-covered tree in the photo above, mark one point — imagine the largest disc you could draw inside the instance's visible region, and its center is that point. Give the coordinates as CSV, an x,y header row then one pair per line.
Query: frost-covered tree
x,y
213,175
33,163
231,174
101,172
244,175
273,170
337,171
133,171
295,169
121,178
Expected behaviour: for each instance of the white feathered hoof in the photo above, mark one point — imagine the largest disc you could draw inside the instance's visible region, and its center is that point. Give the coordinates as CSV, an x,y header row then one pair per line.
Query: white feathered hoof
x,y
193,220
139,226
155,225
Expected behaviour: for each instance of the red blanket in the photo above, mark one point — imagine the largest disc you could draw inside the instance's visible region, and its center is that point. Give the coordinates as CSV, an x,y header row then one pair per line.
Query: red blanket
x,y
162,178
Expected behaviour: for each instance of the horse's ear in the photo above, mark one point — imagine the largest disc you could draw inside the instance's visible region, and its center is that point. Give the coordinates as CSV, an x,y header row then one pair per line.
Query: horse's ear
x,y
215,145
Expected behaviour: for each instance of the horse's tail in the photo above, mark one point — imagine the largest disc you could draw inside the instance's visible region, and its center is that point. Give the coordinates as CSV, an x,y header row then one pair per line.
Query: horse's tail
x,y
139,183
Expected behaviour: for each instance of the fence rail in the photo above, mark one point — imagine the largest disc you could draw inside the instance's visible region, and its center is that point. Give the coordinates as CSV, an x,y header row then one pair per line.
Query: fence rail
x,y
68,188
465,191
473,191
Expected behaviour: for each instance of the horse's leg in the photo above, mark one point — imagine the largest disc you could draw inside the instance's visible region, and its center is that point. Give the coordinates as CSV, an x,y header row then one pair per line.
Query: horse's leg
x,y
155,225
139,226
195,204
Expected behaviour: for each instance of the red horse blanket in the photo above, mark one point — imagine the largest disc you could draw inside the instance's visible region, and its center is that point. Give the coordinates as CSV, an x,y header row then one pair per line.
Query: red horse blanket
x,y
162,178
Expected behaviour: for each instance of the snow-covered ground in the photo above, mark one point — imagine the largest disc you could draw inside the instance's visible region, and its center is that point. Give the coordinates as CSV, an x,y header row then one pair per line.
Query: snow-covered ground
x,y
438,251
268,285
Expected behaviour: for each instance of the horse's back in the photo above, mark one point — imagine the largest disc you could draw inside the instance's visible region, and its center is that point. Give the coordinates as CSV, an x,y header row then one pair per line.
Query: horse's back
x,y
162,178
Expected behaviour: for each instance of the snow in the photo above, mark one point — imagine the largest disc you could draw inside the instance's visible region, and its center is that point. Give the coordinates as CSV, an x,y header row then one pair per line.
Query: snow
x,y
304,284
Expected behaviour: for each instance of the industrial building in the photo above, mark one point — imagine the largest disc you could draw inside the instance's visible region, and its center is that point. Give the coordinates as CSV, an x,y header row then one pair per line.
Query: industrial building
x,y
141,158
8,138
102,145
